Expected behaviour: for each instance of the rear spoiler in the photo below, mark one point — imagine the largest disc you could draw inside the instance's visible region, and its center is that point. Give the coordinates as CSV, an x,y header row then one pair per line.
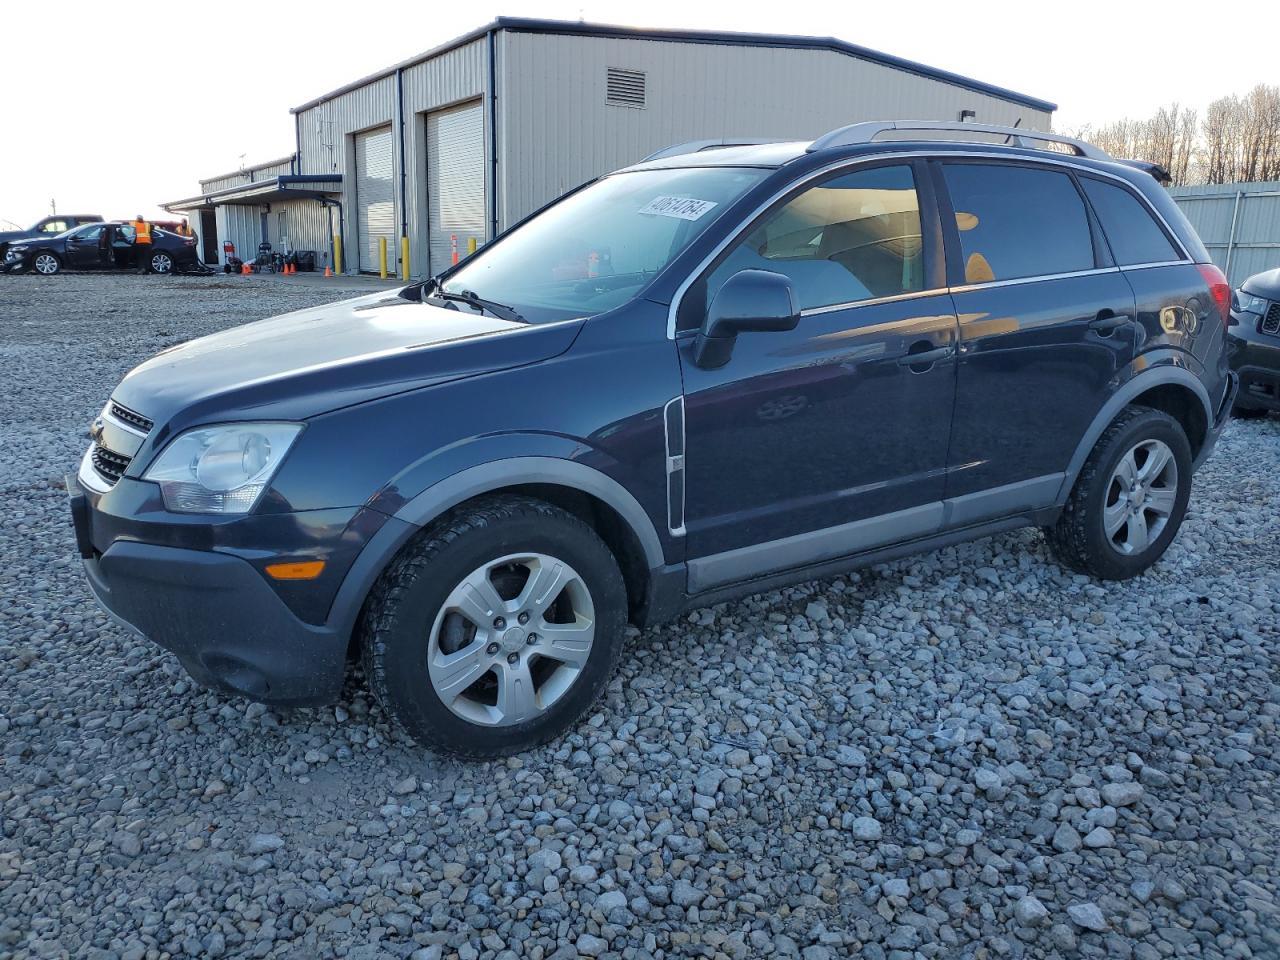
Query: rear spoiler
x,y
1158,173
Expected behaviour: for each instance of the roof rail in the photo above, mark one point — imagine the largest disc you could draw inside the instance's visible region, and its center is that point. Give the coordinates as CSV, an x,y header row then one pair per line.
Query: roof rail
x,y
868,131
697,146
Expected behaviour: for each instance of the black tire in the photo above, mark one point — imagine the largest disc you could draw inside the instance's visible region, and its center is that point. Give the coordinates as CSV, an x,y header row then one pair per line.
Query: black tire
x,y
46,263
397,623
1078,540
165,262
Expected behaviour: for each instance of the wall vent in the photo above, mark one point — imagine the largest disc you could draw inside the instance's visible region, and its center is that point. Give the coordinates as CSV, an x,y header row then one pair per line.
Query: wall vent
x,y
624,88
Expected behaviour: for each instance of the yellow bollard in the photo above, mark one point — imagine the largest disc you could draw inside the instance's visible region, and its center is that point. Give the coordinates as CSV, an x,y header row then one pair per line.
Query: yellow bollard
x,y
382,257
404,258
471,245
337,254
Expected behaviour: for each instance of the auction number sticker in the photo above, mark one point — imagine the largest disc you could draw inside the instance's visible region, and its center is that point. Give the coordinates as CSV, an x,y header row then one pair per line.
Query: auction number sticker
x,y
682,208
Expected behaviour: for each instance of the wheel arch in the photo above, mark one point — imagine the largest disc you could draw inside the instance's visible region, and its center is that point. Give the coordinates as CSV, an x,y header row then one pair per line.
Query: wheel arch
x,y
600,501
1173,390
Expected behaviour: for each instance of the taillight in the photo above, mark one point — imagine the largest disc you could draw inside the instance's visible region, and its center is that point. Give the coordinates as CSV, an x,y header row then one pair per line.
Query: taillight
x,y
1219,289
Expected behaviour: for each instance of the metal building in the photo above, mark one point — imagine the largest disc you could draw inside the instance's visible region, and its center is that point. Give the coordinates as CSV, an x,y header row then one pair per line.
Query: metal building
x,y
446,150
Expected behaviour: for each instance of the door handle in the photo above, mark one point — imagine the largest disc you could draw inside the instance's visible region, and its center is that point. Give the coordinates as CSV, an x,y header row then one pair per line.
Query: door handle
x,y
1105,325
924,358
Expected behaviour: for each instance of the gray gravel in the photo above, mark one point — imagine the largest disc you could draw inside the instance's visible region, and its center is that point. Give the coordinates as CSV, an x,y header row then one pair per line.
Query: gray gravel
x,y
966,754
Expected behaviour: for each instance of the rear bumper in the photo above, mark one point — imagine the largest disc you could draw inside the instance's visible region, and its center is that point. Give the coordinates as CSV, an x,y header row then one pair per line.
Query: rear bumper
x,y
215,611
1221,416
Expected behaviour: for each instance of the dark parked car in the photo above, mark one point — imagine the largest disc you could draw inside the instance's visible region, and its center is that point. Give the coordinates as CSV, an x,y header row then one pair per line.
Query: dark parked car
x,y
101,246
714,373
50,226
1253,340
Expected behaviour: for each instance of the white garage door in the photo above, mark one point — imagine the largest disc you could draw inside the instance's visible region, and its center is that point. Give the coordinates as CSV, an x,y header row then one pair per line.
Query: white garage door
x,y
455,182
375,199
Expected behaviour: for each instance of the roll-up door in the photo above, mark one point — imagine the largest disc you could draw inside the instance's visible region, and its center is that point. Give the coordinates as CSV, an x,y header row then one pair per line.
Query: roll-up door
x,y
455,182
375,198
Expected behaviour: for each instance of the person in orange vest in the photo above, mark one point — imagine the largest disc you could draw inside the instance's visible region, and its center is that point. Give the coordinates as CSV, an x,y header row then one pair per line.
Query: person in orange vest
x,y
141,244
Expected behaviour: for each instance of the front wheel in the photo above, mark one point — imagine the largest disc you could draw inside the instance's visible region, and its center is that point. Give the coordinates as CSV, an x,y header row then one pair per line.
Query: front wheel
x,y
46,264
1129,499
496,630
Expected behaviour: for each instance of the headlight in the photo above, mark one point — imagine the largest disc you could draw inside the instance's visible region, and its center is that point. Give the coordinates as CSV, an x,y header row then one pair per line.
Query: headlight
x,y
221,469
1248,303
19,249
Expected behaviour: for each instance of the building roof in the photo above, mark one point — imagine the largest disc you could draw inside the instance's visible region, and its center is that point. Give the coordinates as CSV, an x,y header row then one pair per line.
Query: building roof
x,y
283,187
731,38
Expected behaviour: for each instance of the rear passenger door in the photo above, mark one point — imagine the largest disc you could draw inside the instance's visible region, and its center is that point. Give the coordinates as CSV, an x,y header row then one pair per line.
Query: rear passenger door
x,y
1045,321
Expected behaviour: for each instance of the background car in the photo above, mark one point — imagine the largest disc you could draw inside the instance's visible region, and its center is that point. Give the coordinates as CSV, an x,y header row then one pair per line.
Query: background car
x,y
100,246
50,226
1253,339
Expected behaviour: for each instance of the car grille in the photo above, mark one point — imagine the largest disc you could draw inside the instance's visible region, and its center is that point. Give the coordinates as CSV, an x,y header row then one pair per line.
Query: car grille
x,y
118,434
110,465
1271,322
133,419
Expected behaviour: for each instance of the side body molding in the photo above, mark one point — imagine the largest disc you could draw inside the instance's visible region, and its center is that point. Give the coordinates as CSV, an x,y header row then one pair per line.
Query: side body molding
x,y
476,480
1140,383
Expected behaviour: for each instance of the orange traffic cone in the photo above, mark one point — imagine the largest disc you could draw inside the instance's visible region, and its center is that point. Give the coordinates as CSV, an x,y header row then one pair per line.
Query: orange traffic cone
x,y
327,271
245,269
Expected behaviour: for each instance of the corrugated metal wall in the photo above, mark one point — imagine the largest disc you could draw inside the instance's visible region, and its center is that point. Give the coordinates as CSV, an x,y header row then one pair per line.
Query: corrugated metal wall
x,y
242,226
451,78
325,133
306,227
556,131
263,171
1255,208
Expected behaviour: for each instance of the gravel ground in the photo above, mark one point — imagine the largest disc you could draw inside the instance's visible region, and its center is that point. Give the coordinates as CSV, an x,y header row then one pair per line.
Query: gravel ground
x,y
966,754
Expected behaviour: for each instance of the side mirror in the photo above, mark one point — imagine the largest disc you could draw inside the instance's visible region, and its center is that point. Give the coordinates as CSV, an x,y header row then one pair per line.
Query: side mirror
x,y
749,301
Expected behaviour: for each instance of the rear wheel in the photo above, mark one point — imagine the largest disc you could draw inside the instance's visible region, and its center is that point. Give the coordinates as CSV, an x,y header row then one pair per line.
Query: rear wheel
x,y
1129,499
497,630
46,263
161,262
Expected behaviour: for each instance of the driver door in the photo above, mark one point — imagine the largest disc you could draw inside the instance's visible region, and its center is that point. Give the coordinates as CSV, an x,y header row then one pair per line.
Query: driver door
x,y
84,248
825,440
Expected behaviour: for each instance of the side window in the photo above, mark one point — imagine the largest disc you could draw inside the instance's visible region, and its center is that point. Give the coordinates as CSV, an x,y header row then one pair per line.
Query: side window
x,y
855,237
93,233
54,226
1017,221
1132,232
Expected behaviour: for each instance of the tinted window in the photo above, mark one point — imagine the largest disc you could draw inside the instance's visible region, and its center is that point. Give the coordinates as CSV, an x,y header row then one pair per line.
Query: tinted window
x,y
54,226
1018,222
1132,232
852,238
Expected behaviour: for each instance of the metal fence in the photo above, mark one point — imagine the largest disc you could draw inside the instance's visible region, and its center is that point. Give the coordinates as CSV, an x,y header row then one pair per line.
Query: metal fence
x,y
1238,222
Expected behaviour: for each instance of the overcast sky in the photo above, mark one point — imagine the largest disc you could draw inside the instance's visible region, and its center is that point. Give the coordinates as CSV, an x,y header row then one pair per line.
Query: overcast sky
x,y
81,124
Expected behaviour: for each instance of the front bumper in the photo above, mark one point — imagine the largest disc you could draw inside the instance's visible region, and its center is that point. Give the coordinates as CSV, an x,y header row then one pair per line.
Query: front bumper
x,y
1256,358
214,610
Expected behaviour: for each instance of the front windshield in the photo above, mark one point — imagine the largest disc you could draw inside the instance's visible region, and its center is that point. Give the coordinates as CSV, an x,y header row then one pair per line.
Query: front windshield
x,y
596,249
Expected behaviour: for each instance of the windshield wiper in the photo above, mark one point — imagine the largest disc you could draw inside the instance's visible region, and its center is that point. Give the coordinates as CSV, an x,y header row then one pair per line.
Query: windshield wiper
x,y
499,310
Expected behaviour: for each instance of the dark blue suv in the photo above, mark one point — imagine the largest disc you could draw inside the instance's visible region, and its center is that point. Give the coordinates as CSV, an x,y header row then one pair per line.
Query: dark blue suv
x,y
725,369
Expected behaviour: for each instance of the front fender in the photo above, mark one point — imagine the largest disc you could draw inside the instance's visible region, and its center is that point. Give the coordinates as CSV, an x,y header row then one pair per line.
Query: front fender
x,y
412,514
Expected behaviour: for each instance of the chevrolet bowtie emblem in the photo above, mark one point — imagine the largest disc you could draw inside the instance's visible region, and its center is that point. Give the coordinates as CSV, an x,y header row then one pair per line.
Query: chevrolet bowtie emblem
x,y
95,430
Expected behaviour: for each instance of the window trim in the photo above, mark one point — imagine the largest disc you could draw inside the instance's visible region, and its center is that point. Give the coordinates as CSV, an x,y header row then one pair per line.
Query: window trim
x,y
1159,221
925,155
930,230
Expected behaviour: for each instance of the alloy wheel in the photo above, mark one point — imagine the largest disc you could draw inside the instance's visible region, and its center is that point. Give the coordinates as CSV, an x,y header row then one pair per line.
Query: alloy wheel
x,y
511,639
46,263
161,263
1140,497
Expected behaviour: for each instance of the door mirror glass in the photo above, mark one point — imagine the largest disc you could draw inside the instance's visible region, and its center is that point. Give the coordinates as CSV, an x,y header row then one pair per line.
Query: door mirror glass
x,y
749,301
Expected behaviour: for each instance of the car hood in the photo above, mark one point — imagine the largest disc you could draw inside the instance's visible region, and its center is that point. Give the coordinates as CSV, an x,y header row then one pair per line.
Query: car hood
x,y
8,236
1265,284
313,361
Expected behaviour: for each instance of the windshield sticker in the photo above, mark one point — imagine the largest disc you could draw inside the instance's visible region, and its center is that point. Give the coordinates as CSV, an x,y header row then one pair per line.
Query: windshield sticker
x,y
682,208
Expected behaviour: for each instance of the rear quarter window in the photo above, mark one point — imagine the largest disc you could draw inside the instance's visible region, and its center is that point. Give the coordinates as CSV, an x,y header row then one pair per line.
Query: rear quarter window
x,y
1131,230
